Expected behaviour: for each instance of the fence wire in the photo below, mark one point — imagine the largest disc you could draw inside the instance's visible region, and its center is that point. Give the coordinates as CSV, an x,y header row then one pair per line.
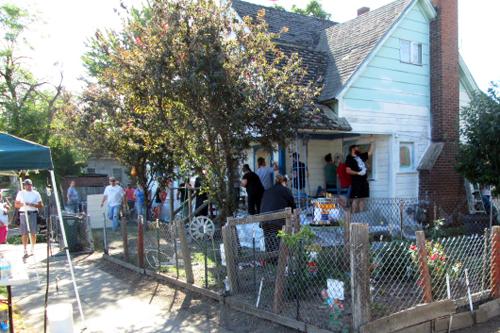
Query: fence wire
x,y
394,278
465,259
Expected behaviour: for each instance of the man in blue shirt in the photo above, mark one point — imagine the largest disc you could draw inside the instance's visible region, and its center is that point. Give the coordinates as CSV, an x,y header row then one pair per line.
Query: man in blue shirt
x,y
73,198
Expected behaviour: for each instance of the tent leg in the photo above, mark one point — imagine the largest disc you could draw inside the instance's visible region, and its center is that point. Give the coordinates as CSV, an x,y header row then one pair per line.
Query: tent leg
x,y
63,232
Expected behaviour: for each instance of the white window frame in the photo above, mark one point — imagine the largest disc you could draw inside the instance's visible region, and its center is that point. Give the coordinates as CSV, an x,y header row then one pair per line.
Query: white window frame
x,y
414,50
411,146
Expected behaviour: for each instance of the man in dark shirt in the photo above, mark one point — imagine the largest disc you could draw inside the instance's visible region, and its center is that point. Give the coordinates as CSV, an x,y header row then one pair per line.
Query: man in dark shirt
x,y
276,198
357,168
251,182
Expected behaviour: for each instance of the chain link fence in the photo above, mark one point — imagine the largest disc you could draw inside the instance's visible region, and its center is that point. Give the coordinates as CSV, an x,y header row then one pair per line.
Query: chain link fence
x,y
298,265
394,278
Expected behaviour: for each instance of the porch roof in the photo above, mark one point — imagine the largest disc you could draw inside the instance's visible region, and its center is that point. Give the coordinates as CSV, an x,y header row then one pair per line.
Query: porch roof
x,y
321,117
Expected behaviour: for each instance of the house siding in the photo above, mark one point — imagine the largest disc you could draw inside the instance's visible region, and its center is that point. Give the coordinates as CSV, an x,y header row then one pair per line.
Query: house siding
x,y
392,97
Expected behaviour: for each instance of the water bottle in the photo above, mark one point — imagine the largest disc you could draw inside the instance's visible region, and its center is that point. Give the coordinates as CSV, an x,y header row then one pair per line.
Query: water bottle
x,y
4,269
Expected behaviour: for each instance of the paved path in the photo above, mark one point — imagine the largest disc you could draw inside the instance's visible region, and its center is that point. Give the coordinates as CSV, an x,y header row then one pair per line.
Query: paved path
x,y
117,300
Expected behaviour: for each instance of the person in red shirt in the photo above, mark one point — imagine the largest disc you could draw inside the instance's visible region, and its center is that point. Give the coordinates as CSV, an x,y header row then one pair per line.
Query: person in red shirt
x,y
130,196
344,179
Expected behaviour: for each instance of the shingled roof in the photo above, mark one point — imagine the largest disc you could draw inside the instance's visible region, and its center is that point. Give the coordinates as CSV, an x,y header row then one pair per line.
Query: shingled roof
x,y
330,51
303,30
349,44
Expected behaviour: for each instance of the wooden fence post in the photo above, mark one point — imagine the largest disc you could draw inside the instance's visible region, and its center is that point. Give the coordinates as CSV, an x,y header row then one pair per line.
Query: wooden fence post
x,y
186,253
495,262
140,243
230,260
360,274
423,267
279,287
123,227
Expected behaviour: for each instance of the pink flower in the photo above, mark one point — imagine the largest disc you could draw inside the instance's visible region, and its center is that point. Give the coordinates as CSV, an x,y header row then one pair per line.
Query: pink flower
x,y
413,248
434,256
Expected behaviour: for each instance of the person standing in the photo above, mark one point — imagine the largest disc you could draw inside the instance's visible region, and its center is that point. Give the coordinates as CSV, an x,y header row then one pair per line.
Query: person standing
x,y
130,196
201,195
276,198
73,198
139,200
113,194
356,167
4,219
330,171
28,201
343,179
265,173
252,184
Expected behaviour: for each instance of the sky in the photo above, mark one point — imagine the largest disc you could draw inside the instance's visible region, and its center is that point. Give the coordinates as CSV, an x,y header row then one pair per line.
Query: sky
x,y
58,39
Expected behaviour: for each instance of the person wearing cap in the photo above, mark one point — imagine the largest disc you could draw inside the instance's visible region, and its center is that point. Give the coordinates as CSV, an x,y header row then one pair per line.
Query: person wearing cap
x,y
113,194
28,201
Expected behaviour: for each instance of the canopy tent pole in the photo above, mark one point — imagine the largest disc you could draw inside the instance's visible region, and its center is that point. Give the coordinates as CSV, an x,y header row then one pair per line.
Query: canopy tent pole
x,y
63,232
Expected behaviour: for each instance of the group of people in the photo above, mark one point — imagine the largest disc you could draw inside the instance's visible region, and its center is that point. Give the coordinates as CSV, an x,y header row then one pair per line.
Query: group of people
x,y
263,197
349,178
115,196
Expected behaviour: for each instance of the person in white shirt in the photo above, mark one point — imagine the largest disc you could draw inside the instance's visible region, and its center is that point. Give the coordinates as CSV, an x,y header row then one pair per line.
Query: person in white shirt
x,y
113,194
28,201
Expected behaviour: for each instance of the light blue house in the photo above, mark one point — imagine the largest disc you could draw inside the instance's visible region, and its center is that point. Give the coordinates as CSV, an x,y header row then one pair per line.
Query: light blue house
x,y
392,75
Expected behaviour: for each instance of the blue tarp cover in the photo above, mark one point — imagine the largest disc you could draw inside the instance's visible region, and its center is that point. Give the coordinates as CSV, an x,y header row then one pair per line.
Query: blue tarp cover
x,y
19,154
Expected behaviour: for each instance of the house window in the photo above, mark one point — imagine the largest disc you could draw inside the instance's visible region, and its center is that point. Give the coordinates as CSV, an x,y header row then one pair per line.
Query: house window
x,y
406,156
117,173
90,170
410,52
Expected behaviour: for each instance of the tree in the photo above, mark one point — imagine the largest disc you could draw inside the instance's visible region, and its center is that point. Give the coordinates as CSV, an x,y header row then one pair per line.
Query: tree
x,y
205,83
313,8
28,106
479,152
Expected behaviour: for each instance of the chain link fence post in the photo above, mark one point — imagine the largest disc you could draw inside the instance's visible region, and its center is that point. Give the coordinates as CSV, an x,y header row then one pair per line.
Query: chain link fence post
x,y
140,243
425,277
495,262
360,275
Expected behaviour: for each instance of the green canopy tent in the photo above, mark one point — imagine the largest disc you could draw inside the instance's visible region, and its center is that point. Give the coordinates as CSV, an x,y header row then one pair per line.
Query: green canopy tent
x,y
19,155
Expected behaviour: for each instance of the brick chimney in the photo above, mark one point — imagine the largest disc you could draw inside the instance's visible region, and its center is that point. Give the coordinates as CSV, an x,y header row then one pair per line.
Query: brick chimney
x,y
363,10
441,182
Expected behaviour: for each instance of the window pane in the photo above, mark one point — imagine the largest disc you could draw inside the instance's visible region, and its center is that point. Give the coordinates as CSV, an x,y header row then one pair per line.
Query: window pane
x,y
406,155
416,53
404,50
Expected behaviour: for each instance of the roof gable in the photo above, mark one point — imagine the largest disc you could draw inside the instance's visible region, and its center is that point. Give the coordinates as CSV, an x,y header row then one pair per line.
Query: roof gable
x,y
349,44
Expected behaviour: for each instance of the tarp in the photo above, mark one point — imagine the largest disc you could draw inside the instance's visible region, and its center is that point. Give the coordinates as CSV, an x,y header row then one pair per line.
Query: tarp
x,y
19,154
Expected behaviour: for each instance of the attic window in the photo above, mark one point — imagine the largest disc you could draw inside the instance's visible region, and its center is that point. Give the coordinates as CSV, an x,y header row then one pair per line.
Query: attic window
x,y
410,52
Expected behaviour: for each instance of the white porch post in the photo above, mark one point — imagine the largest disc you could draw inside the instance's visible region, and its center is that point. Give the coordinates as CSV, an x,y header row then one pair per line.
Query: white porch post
x,y
63,232
393,165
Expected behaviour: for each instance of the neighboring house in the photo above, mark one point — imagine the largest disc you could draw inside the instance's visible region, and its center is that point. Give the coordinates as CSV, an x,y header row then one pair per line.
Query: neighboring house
x,y
108,166
394,75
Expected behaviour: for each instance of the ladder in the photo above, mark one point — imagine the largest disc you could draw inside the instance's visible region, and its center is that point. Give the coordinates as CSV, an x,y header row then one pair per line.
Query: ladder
x,y
474,198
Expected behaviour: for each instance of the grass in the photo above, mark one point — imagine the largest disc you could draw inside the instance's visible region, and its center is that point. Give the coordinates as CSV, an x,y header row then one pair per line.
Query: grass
x,y
16,240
